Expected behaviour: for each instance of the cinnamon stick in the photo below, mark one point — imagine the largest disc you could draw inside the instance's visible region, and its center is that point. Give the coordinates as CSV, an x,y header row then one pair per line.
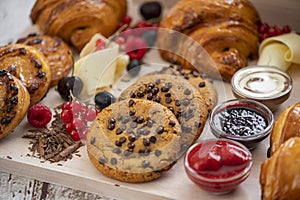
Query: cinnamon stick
x,y
54,143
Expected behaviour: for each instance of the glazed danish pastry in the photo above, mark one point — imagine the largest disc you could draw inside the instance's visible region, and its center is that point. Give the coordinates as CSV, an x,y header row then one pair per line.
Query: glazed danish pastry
x,y
286,126
77,21
14,102
58,53
30,66
279,176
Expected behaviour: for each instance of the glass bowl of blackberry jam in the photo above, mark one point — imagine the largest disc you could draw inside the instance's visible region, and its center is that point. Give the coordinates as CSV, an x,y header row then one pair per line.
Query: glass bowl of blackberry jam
x,y
243,120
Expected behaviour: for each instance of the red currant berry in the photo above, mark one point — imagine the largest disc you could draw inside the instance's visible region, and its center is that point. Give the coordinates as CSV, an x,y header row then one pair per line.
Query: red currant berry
x,y
286,29
66,116
142,24
39,115
83,133
141,27
264,28
77,123
120,40
277,30
263,36
126,33
274,31
66,106
76,106
136,48
127,19
75,135
91,114
155,25
100,44
69,127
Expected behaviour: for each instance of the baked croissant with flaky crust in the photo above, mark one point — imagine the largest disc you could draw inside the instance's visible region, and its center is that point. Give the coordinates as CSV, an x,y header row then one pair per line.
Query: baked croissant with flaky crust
x,y
14,102
76,21
286,126
279,177
227,30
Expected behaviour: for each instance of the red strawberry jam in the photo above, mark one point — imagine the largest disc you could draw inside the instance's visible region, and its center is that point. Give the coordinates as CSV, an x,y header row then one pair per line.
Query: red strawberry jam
x,y
218,165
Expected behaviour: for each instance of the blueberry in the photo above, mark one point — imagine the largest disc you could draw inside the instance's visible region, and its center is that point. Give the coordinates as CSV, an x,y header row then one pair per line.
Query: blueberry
x,y
104,99
66,85
134,67
150,10
150,37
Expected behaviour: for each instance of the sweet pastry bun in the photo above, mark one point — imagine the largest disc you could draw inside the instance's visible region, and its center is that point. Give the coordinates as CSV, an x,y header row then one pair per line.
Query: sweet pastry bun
x,y
286,126
134,140
279,177
179,96
30,66
227,30
77,21
14,102
58,53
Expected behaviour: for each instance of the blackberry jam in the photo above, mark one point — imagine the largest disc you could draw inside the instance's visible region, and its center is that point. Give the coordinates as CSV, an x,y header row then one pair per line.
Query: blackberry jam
x,y
240,121
243,120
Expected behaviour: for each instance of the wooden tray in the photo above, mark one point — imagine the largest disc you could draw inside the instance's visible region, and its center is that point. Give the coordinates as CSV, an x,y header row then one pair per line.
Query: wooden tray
x,y
79,173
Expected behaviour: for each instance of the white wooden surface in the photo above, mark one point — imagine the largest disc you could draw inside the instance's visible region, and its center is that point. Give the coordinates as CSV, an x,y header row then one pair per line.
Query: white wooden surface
x,y
78,173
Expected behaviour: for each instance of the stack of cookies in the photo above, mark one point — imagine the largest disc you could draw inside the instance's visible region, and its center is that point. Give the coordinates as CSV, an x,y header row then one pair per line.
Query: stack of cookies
x,y
154,122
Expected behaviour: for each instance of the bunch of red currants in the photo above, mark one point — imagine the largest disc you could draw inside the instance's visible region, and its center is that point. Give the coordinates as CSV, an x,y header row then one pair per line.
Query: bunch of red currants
x,y
77,117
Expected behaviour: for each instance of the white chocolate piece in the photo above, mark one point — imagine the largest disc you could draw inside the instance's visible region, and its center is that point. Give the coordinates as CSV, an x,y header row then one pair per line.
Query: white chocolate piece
x,y
100,68
97,69
280,51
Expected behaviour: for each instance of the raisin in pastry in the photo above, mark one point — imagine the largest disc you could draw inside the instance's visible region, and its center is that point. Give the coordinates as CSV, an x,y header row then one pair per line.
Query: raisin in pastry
x,y
58,53
14,102
30,66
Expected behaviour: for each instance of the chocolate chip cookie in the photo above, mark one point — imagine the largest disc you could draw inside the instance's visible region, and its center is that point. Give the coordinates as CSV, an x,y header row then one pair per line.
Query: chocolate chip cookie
x,y
179,96
203,85
134,140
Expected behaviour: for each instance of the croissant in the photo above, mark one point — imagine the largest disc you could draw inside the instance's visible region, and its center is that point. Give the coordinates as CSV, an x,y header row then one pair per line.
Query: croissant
x,y
279,177
226,30
76,21
14,102
286,126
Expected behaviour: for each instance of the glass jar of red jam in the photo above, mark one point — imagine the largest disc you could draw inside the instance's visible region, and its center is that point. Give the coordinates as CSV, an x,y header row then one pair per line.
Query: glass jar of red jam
x,y
218,165
243,120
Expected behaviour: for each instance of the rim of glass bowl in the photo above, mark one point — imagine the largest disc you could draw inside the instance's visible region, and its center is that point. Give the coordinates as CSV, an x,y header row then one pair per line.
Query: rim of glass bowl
x,y
242,174
237,77
260,107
